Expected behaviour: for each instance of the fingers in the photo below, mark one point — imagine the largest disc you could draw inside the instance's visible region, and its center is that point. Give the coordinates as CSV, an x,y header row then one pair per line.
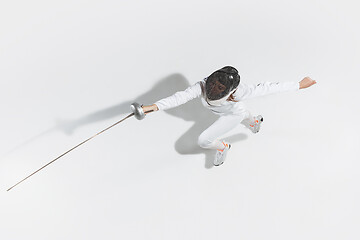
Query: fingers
x,y
307,82
147,109
144,109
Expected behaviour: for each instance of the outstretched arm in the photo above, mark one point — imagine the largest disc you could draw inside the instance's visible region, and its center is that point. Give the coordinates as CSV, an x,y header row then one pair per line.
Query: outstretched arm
x,y
176,99
246,91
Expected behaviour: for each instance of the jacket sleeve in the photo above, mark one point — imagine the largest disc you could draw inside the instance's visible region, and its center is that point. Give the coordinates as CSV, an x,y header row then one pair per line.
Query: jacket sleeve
x,y
246,91
180,97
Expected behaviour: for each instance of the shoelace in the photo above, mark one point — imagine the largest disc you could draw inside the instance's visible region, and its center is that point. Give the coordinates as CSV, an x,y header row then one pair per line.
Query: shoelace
x,y
226,145
256,122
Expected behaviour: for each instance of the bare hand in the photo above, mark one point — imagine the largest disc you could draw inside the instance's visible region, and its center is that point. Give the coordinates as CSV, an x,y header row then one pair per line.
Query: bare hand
x,y
306,82
150,108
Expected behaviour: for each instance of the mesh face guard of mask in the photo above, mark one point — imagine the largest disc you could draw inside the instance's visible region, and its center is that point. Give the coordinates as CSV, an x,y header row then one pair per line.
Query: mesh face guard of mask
x,y
221,84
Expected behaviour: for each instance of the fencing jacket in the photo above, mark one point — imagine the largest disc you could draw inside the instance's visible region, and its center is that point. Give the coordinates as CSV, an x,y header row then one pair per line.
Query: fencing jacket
x,y
244,91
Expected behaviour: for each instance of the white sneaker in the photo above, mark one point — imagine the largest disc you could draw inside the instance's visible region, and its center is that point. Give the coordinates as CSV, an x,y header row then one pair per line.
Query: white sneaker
x,y
255,126
221,154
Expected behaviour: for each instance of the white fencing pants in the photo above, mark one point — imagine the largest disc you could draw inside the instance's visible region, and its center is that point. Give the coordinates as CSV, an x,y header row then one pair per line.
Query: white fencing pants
x,y
210,137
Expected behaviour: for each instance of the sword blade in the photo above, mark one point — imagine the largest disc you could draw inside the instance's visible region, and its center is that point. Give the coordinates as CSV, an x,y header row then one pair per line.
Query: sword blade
x,y
130,115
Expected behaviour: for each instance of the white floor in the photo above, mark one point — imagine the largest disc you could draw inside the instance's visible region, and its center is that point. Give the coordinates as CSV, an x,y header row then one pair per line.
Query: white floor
x,y
72,68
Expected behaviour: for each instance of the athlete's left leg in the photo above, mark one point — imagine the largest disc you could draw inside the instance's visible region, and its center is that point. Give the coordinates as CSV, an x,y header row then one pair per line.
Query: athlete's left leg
x,y
210,137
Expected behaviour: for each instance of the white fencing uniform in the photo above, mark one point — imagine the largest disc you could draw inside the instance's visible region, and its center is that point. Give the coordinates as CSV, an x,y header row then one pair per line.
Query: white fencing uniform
x,y
231,113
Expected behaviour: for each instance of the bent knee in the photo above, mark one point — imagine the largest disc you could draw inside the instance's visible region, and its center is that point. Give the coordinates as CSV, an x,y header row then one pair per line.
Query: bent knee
x,y
204,142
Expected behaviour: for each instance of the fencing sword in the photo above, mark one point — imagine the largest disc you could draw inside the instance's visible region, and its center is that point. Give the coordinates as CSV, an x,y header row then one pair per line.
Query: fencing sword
x,y
137,111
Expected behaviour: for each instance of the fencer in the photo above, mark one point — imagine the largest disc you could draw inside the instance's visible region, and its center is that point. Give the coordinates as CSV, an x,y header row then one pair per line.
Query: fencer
x,y
222,93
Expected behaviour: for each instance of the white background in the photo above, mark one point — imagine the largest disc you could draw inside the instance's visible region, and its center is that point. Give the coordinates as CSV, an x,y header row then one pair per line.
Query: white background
x,y
69,69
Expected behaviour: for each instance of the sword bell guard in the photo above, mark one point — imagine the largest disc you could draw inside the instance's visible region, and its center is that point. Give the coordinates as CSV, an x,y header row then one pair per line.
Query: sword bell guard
x,y
137,110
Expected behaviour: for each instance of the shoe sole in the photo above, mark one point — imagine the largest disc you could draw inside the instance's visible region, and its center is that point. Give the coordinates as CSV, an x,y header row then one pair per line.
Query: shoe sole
x,y
223,161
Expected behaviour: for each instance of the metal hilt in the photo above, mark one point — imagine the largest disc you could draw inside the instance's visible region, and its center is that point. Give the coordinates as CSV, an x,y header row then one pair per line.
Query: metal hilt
x,y
137,110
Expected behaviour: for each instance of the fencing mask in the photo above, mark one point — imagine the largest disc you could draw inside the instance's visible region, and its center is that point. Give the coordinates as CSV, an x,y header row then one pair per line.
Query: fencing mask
x,y
220,85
